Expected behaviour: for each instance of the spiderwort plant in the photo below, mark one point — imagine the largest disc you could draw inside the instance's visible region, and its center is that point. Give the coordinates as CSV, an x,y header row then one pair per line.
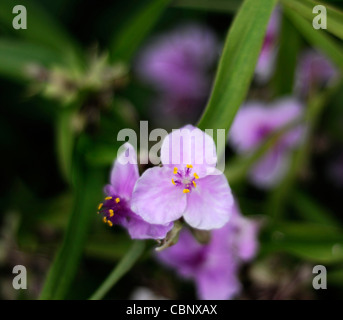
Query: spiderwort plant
x,y
252,125
115,209
214,266
187,185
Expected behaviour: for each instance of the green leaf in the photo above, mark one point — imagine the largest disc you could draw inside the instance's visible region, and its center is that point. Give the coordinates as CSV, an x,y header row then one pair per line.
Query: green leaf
x,y
283,80
18,57
312,242
123,266
226,6
41,29
237,64
65,141
87,185
128,38
318,38
305,9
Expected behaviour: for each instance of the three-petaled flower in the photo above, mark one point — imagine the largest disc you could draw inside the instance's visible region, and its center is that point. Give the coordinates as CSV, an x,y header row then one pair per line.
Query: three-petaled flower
x,y
188,185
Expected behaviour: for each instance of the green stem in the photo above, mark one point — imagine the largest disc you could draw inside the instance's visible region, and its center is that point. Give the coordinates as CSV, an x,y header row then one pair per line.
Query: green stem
x,y
120,269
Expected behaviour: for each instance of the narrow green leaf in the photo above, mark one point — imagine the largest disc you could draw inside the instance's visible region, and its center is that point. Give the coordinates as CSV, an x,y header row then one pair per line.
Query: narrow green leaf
x,y
283,80
305,9
128,38
65,140
312,242
88,183
123,266
318,38
237,64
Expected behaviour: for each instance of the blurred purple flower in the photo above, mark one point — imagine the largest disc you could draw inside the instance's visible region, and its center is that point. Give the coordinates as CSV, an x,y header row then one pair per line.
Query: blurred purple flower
x,y
178,65
116,207
266,61
187,185
214,267
313,72
254,123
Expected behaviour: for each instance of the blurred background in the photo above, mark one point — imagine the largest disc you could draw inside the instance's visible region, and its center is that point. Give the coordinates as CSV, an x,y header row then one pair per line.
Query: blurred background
x,y
82,71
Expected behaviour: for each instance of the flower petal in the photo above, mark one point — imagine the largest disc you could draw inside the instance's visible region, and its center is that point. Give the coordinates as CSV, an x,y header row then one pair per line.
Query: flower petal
x,y
189,145
140,229
156,199
210,204
124,173
270,169
218,283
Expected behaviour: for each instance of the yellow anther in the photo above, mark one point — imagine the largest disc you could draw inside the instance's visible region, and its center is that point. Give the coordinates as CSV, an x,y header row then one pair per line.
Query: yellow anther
x,y
189,166
104,219
194,184
110,223
173,182
175,170
186,191
108,198
196,176
111,213
117,200
100,206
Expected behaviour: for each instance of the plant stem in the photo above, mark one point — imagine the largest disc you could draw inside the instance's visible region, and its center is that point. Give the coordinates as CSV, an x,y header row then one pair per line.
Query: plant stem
x,y
120,269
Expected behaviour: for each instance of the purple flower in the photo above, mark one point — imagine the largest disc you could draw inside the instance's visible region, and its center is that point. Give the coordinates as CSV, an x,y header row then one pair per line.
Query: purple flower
x,y
178,62
214,267
253,123
314,71
179,66
265,64
188,185
116,207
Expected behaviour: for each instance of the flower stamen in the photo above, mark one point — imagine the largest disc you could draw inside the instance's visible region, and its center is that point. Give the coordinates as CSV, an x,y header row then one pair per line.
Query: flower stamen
x,y
186,191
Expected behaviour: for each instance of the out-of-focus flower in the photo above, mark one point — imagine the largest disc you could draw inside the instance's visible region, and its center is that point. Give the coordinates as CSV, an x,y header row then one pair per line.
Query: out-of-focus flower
x,y
188,185
314,71
266,61
214,266
253,123
178,64
116,207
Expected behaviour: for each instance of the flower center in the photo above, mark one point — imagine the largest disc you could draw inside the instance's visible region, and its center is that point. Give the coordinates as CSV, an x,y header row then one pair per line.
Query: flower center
x,y
185,178
109,209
